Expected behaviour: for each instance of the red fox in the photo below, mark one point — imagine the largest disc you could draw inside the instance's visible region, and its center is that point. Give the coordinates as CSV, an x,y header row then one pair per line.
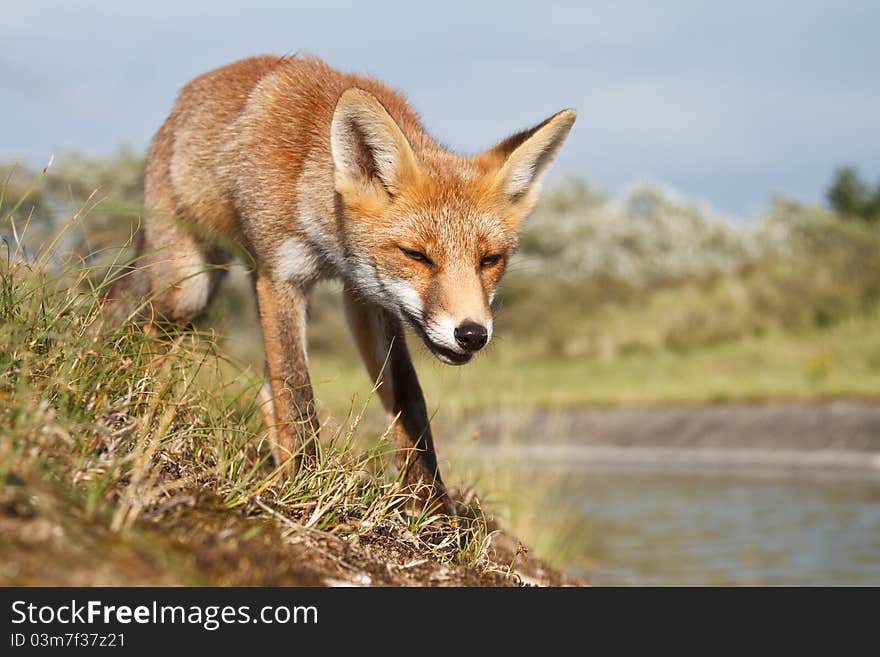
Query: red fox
x,y
318,174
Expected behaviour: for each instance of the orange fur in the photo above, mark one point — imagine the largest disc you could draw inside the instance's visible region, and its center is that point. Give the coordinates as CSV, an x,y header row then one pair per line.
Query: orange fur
x,y
315,173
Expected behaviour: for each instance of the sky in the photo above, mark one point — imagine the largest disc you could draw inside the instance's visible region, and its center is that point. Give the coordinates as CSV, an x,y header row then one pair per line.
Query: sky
x,y
727,102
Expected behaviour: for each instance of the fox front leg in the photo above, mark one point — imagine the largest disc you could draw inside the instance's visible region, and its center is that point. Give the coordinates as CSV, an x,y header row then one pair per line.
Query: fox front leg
x,y
282,308
380,339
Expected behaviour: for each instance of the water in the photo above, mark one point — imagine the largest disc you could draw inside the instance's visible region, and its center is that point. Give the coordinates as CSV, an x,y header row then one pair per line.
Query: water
x,y
643,528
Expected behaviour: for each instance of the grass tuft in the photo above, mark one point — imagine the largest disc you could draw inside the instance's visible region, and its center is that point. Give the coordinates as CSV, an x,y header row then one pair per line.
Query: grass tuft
x,y
134,426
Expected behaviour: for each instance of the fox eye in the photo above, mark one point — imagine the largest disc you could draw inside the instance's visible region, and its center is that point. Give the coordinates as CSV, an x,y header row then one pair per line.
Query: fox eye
x,y
489,261
418,256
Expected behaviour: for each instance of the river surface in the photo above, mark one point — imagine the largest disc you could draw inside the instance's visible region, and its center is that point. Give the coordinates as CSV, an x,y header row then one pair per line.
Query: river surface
x,y
784,493
637,527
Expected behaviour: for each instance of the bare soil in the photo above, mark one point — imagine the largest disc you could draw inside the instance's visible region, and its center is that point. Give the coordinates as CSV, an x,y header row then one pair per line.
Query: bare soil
x,y
47,540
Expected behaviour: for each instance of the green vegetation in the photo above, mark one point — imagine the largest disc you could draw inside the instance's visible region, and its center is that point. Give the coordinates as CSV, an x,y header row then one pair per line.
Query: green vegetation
x,y
640,300
852,198
644,299
118,439
842,361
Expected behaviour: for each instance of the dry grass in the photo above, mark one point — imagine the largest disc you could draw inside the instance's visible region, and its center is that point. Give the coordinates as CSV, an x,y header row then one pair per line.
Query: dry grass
x,y
133,432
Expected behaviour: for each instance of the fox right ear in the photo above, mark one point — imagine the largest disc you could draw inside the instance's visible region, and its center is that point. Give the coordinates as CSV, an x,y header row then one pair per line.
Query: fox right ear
x,y
522,159
367,145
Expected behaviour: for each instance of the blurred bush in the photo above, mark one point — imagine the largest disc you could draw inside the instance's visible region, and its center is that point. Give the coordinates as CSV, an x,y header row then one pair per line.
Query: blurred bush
x,y
655,270
649,236
106,193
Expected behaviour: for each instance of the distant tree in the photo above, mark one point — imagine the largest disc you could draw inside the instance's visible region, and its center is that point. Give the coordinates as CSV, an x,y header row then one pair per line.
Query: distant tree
x,y
849,196
872,212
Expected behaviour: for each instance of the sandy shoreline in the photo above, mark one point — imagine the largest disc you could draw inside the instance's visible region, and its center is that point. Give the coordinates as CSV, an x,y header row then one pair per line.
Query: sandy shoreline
x,y
840,436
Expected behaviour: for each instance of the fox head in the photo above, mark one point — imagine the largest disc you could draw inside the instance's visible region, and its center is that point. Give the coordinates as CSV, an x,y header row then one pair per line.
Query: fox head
x,y
429,233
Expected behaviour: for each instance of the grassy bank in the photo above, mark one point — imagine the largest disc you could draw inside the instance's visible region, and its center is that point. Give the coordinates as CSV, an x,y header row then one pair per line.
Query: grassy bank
x,y
124,452
131,458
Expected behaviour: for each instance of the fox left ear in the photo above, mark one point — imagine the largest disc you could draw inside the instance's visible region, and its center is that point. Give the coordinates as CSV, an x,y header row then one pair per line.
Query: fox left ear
x,y
367,145
522,159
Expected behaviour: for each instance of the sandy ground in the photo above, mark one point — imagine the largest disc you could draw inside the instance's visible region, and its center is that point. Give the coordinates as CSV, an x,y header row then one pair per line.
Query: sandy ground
x,y
838,435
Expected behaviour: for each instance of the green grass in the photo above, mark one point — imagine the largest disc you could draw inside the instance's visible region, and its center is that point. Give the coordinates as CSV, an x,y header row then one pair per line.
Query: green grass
x,y
694,343
124,422
839,361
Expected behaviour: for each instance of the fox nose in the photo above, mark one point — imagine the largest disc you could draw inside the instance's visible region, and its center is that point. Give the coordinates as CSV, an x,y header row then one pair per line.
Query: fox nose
x,y
471,336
